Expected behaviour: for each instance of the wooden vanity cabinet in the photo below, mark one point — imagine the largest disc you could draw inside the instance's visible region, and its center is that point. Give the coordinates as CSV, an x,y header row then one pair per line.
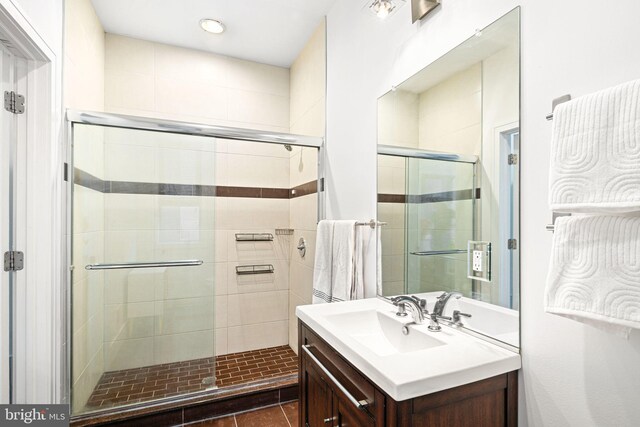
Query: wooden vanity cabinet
x,y
331,390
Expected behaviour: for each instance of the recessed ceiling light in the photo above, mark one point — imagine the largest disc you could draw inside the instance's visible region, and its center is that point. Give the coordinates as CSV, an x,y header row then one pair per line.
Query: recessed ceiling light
x,y
212,26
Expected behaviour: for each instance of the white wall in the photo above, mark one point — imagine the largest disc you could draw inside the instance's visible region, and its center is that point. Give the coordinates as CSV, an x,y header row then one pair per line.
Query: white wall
x,y
572,375
307,117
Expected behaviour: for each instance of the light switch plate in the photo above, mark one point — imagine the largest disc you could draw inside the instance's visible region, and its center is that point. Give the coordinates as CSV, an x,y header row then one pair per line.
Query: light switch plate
x,y
479,260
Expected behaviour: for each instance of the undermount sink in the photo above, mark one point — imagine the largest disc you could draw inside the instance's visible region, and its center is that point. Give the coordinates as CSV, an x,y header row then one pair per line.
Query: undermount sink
x,y
383,334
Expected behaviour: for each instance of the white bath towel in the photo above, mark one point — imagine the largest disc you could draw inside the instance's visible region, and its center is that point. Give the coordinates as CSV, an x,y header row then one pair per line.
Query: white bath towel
x,y
595,272
595,152
338,271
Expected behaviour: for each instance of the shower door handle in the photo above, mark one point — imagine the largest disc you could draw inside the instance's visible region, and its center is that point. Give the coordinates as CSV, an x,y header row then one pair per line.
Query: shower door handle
x,y
126,265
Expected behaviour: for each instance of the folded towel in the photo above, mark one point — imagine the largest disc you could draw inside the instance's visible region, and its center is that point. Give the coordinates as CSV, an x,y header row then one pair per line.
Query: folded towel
x,y
323,265
595,152
338,272
595,272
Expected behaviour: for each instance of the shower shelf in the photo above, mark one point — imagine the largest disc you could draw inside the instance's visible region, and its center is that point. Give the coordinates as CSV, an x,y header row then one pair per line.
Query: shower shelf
x,y
445,252
254,269
254,237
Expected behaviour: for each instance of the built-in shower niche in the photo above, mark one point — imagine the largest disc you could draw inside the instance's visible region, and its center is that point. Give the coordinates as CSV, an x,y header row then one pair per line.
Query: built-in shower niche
x,y
182,249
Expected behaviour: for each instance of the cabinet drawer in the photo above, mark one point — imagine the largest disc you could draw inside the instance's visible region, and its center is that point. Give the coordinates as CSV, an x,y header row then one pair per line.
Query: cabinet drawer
x,y
354,383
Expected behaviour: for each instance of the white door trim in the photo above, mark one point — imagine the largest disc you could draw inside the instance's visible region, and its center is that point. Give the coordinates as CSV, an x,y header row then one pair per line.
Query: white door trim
x,y
40,328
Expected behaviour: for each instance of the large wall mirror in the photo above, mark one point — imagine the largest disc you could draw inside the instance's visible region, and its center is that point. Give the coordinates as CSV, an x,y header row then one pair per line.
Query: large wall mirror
x,y
448,181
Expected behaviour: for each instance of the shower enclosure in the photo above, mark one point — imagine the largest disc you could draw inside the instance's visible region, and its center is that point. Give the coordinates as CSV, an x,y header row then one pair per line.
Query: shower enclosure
x,y
428,200
182,237
436,205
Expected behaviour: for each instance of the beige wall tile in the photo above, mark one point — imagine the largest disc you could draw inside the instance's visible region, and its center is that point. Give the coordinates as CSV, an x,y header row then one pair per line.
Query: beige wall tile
x,y
257,107
179,316
128,321
122,163
129,212
258,171
129,90
256,77
190,282
128,54
177,63
179,347
258,307
180,166
261,335
220,337
127,354
195,96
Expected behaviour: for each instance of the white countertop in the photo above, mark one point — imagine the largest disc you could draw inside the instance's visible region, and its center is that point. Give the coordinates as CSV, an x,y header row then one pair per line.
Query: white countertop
x,y
461,359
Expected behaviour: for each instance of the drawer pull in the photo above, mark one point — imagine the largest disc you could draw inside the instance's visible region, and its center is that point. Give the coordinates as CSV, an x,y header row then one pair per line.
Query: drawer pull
x,y
360,404
328,420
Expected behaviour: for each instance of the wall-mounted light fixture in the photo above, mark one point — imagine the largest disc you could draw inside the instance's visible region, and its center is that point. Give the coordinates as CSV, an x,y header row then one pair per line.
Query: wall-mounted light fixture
x,y
383,8
421,8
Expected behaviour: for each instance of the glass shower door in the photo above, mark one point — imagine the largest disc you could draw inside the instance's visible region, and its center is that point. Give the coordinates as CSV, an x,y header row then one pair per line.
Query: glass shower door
x,y
440,221
143,289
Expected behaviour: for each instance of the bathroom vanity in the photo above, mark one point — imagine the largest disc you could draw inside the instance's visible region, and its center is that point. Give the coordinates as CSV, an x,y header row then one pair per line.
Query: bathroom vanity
x,y
358,368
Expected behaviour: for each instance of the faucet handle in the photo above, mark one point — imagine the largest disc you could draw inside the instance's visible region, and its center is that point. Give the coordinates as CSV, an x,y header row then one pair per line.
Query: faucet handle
x,y
456,317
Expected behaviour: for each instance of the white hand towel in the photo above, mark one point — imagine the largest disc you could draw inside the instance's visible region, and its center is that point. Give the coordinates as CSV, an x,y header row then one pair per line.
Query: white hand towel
x,y
595,272
323,265
344,241
595,152
338,271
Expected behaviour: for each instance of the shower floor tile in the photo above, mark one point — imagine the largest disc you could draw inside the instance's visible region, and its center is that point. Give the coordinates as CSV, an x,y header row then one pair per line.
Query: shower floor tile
x,y
155,382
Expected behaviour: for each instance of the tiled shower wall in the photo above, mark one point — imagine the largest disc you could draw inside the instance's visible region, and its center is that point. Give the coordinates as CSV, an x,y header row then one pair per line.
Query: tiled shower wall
x,y
149,79
165,315
307,117
84,89
155,80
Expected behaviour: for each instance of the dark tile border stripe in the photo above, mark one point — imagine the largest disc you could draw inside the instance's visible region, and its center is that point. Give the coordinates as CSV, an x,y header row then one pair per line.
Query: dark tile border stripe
x,y
310,187
392,198
87,180
446,196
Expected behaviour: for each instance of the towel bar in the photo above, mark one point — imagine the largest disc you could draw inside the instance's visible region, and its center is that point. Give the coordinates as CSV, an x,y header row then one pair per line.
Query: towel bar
x,y
371,223
556,102
552,227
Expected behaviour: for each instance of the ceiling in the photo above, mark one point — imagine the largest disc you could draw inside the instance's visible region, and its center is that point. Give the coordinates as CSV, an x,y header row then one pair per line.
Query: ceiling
x,y
268,31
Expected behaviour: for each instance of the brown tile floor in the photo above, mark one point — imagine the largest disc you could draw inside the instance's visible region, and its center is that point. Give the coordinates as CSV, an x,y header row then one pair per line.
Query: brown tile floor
x,y
283,415
170,379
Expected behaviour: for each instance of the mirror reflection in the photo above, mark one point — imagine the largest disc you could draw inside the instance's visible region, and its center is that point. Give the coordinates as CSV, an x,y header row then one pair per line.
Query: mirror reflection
x,y
448,146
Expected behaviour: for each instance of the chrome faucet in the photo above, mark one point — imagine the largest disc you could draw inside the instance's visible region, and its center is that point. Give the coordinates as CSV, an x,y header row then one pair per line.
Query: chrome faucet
x,y
418,309
442,301
416,306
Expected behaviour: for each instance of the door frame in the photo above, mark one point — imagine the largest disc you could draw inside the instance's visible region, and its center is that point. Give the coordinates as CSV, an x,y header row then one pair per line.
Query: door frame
x,y
39,362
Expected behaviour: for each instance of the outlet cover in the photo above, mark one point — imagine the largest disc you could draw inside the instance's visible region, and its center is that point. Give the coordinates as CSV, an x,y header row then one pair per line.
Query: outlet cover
x,y
479,260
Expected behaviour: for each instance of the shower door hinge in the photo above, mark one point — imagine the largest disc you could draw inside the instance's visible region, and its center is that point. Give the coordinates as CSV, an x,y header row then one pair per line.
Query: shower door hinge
x,y
13,261
13,102
513,159
512,244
